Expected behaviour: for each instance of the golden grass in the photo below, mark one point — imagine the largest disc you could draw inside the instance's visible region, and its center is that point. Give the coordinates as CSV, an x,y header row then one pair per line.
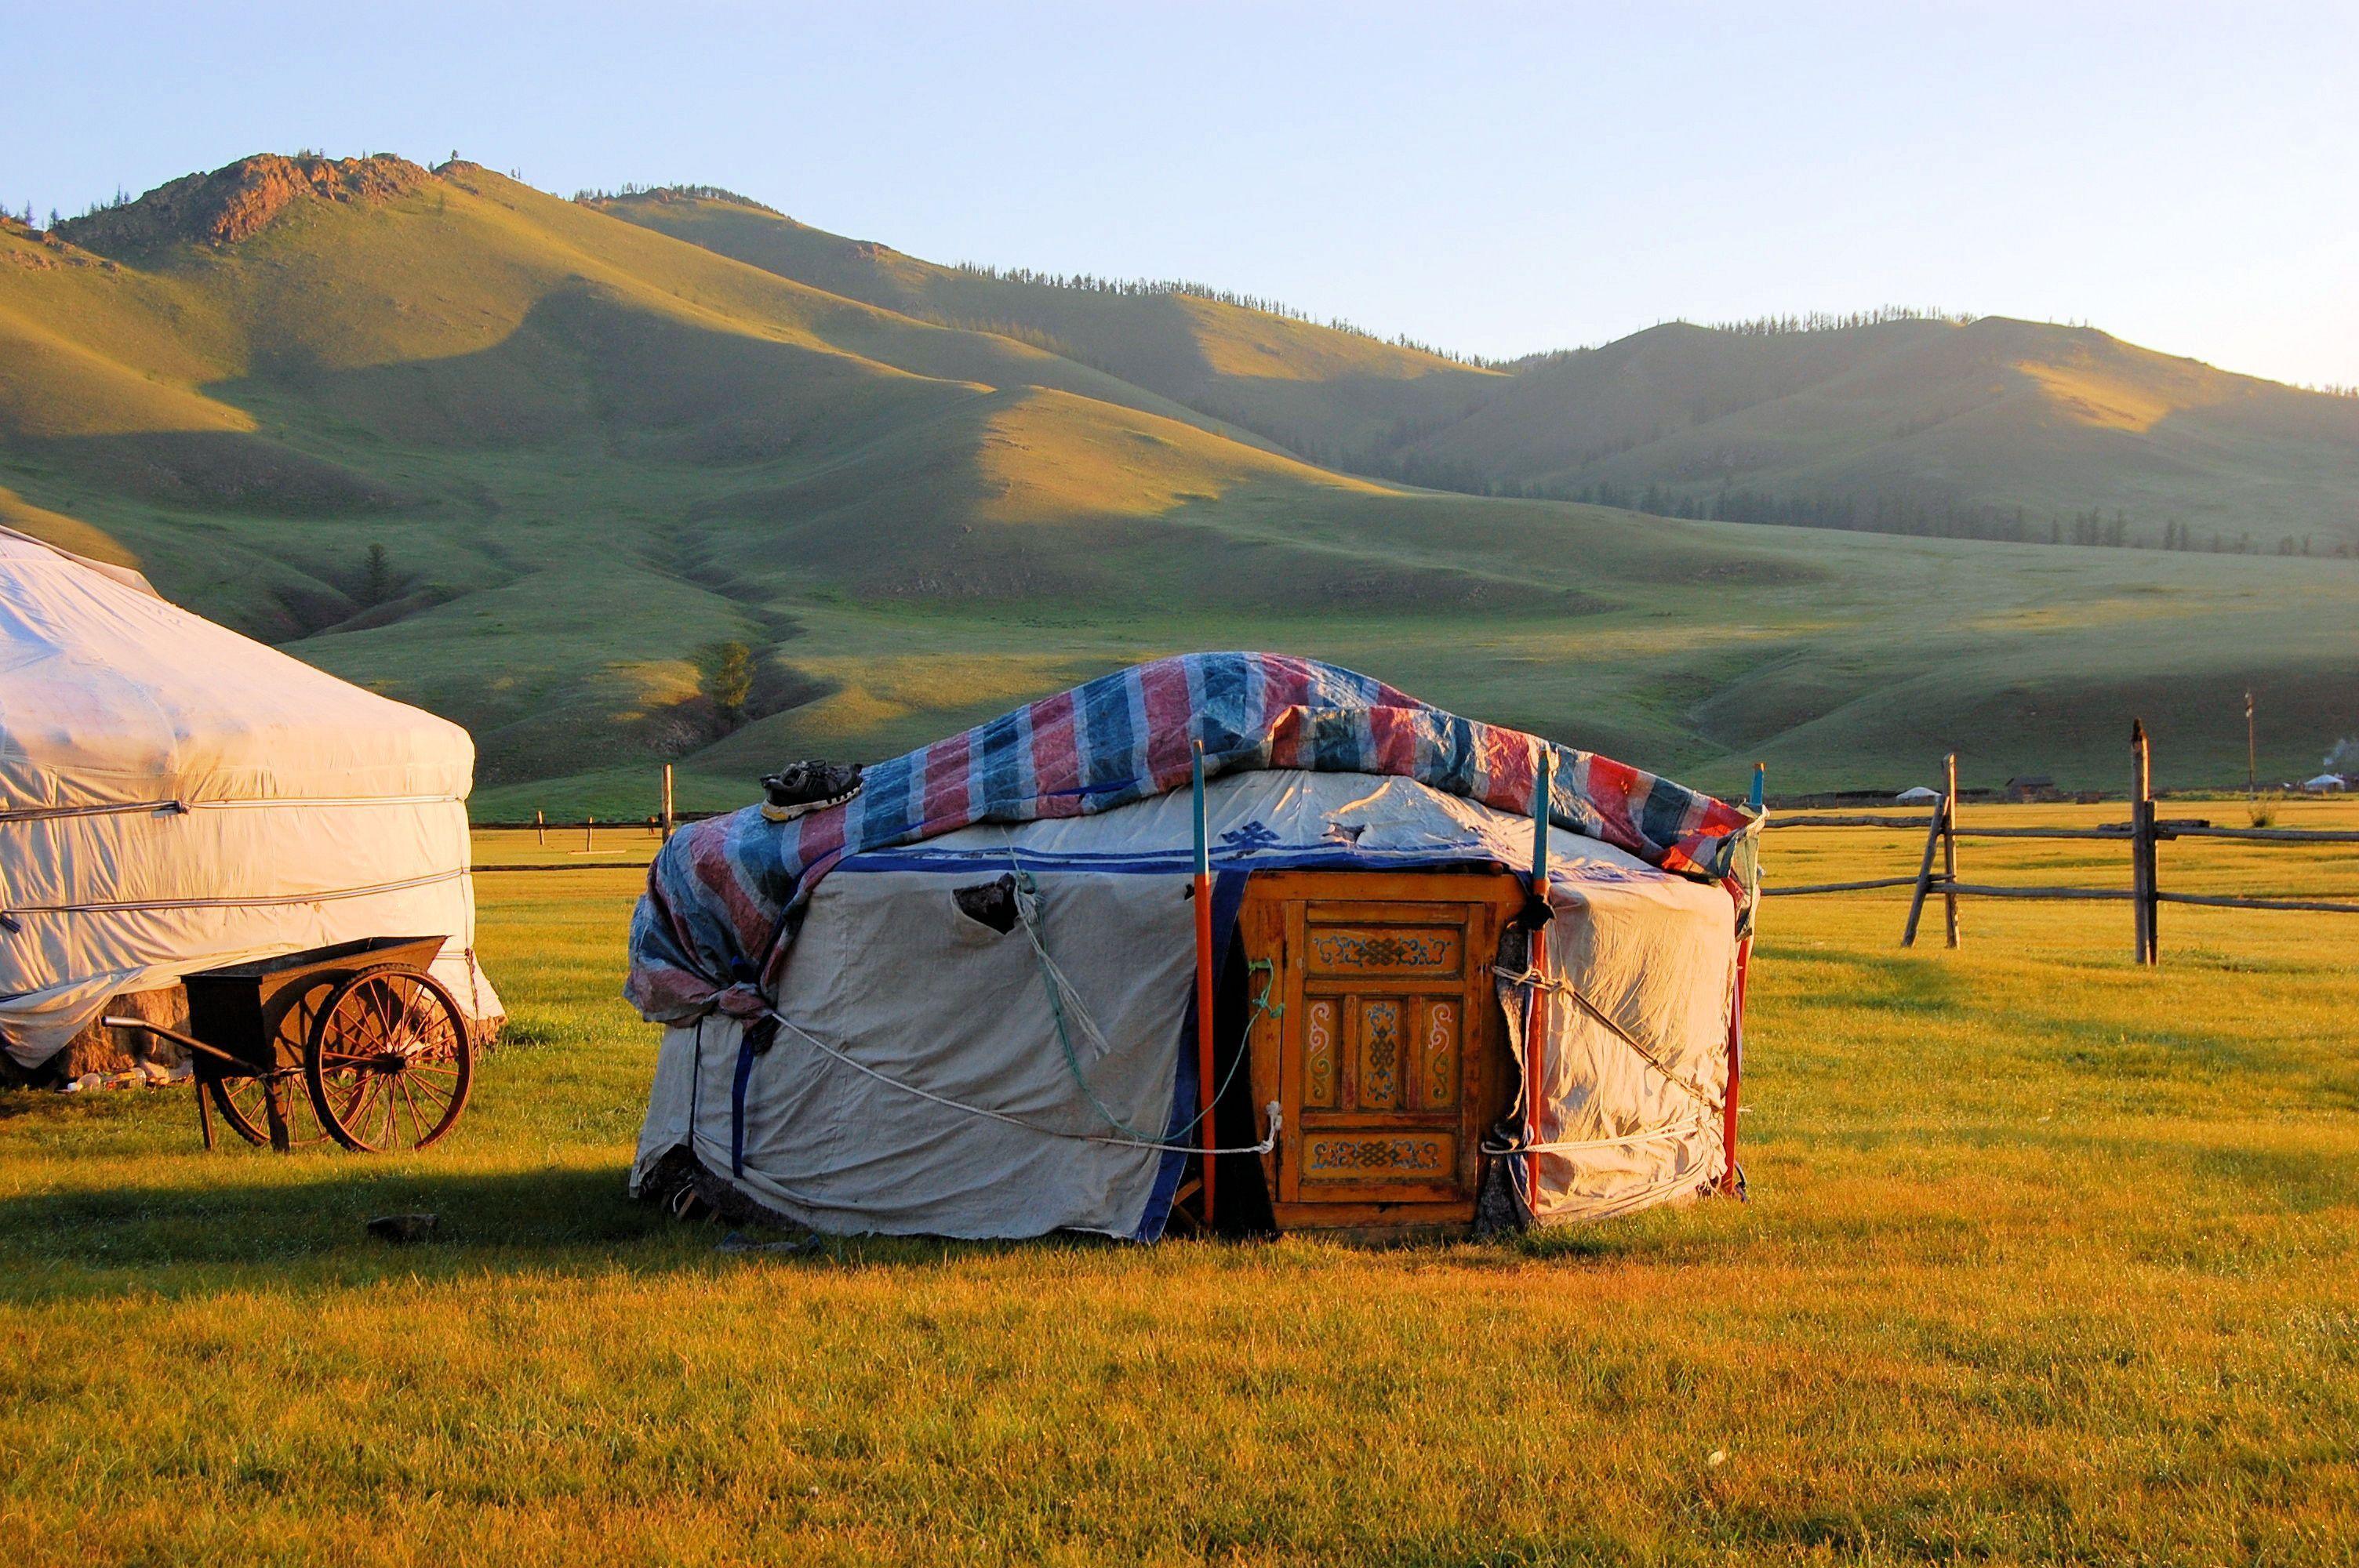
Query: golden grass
x,y
53,386
2089,396
2048,1260
66,533
1049,457
1254,346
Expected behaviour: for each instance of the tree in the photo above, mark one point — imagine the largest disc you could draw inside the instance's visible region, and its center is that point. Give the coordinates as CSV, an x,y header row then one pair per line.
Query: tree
x,y
729,680
377,585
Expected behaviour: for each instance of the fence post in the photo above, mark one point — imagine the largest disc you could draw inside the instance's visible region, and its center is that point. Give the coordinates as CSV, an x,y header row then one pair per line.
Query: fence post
x,y
1925,871
1950,846
588,830
666,803
539,828
2142,856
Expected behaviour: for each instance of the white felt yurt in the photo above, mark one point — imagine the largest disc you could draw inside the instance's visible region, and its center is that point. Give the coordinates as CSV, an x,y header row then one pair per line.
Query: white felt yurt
x,y
175,796
961,1000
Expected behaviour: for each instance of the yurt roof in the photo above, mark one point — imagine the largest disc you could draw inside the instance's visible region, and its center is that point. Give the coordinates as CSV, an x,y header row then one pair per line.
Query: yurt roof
x,y
111,696
718,916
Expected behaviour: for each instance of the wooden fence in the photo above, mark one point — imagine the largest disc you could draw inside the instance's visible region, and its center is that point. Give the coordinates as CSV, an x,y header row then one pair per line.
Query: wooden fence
x,y
2142,833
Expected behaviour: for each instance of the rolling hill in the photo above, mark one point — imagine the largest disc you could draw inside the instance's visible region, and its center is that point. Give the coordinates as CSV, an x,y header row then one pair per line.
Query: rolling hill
x,y
1903,425
1321,393
1984,417
528,461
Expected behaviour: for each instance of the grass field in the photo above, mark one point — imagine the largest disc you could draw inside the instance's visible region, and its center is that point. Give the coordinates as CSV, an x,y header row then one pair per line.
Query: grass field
x,y
2048,1260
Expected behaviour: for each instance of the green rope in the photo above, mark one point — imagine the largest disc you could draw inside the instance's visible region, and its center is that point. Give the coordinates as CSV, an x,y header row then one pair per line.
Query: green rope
x,y
1049,980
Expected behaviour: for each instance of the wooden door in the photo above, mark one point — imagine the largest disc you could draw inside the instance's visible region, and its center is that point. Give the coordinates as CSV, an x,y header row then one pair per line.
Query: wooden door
x,y
1388,1061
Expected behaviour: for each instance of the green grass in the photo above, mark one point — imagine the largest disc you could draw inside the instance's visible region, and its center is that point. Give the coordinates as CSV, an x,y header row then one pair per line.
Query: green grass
x,y
1994,413
592,450
2048,1260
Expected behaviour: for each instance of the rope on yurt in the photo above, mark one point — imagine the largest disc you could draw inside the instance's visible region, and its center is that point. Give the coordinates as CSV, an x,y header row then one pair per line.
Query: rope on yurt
x,y
1571,1146
1268,1143
1062,994
257,901
182,807
1565,987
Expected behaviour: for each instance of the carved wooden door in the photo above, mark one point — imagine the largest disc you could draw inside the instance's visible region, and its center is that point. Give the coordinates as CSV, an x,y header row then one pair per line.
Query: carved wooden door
x,y
1387,1060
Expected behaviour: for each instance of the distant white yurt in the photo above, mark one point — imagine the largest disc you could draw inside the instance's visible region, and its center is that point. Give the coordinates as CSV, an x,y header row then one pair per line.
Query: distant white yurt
x,y
2324,783
1920,795
174,797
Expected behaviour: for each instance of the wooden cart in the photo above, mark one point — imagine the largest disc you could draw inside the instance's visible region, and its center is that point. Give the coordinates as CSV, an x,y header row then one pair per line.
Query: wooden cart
x,y
355,1042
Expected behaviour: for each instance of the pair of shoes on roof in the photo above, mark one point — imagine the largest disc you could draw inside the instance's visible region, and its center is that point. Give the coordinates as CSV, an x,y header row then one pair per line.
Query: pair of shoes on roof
x,y
801,788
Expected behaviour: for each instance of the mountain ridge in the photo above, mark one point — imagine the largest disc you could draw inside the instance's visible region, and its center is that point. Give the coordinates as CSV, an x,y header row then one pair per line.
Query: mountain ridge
x,y
1666,407
528,460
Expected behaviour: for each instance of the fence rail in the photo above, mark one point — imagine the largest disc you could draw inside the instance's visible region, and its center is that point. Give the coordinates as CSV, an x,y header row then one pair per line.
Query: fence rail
x,y
2142,833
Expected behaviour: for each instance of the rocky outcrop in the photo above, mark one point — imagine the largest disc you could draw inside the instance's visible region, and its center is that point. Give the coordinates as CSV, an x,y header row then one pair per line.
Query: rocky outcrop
x,y
237,202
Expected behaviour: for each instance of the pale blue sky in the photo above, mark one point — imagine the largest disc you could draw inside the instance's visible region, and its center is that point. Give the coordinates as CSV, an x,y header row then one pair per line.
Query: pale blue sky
x,y
1492,178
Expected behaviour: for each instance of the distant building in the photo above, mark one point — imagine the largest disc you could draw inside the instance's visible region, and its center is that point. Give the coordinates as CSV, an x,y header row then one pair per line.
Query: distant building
x,y
2325,783
2031,786
1920,796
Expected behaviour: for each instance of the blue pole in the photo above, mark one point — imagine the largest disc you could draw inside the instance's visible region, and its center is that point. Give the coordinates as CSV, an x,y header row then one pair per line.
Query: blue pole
x,y
1203,849
1203,897
1540,799
1535,961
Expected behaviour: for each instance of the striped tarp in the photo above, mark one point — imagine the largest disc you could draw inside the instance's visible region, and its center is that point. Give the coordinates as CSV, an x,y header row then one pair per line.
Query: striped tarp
x,y
714,925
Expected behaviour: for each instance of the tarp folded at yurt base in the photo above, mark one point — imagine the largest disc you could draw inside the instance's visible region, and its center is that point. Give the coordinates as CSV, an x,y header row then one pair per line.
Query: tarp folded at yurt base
x,y
175,796
847,1048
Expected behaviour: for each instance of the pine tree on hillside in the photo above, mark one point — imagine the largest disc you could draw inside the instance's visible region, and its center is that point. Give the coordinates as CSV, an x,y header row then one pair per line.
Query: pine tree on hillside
x,y
729,681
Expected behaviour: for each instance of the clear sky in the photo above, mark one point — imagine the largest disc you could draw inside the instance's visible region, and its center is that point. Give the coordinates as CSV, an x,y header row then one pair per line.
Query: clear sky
x,y
1490,178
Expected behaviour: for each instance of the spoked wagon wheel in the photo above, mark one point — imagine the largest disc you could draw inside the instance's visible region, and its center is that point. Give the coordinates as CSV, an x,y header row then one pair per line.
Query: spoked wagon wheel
x,y
389,1063
240,1102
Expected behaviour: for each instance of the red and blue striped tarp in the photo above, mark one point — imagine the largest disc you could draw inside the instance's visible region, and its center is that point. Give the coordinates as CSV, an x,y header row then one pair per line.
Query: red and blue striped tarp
x,y
717,917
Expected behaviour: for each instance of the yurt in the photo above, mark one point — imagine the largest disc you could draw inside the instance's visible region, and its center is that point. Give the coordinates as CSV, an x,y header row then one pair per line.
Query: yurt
x,y
1383,969
175,797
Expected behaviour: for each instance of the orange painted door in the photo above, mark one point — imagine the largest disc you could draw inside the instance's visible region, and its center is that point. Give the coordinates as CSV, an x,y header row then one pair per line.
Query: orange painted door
x,y
1387,1060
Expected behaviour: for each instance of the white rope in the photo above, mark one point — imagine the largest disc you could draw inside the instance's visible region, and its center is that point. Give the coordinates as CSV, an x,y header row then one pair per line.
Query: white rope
x,y
1529,977
255,900
1271,1110
181,807
1650,1135
1026,917
1064,998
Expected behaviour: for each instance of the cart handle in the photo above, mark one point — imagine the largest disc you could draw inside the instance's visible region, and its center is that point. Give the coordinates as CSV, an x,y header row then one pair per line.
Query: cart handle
x,y
174,1035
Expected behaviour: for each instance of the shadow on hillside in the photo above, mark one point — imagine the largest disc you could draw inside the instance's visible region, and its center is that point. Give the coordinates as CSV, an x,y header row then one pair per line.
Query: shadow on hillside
x,y
249,472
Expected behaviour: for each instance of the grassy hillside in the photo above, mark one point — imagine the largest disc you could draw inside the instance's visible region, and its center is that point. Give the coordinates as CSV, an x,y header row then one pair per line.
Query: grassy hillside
x,y
586,452
1916,415
1319,392
1991,413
